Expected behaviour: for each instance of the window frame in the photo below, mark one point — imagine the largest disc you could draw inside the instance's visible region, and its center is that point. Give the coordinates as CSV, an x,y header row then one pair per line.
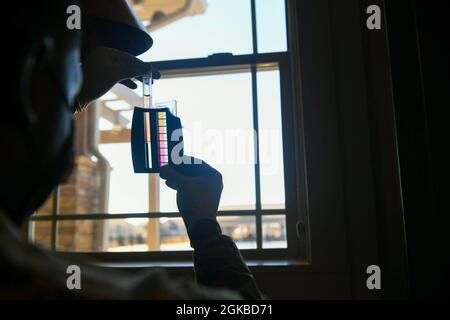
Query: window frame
x,y
293,162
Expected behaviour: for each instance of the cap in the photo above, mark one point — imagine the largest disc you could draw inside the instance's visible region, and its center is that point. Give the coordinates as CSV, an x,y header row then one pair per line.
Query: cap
x,y
113,24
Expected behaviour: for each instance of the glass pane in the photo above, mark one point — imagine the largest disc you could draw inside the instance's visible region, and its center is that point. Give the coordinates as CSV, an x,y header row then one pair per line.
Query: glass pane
x,y
173,235
128,115
47,208
270,140
140,234
217,119
271,25
123,235
41,233
215,26
274,231
105,183
128,192
241,229
80,235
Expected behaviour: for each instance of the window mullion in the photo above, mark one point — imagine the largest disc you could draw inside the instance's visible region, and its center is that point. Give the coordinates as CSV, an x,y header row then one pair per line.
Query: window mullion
x,y
254,28
257,171
55,212
154,206
152,215
256,128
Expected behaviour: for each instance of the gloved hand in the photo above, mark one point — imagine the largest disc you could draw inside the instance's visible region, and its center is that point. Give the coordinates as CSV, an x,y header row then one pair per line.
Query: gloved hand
x,y
198,186
103,68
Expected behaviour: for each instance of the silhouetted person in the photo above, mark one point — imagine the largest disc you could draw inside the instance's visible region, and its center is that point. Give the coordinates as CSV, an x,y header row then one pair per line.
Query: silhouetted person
x,y
36,140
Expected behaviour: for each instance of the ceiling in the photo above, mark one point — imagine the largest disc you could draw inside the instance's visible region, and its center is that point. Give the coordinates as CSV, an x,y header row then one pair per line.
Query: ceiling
x,y
146,9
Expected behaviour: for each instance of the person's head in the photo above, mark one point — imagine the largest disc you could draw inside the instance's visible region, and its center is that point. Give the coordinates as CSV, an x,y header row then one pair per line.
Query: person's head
x,y
43,77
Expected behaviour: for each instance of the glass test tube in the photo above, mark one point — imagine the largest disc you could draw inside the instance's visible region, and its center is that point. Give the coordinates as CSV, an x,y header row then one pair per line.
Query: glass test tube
x,y
147,96
147,90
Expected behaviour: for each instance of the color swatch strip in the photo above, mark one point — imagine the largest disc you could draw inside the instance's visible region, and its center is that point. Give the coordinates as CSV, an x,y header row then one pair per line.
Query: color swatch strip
x,y
162,139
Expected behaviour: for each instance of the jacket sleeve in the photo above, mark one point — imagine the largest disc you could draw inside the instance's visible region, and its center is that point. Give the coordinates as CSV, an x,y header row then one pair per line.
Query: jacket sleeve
x,y
218,262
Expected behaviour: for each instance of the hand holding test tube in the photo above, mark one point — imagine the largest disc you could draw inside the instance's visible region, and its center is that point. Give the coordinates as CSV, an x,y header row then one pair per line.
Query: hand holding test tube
x,y
152,127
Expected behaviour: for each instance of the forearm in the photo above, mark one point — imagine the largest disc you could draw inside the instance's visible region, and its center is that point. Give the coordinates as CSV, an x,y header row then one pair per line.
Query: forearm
x,y
218,262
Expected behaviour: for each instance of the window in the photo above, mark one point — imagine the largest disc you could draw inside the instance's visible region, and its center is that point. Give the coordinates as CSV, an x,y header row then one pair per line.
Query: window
x,y
227,66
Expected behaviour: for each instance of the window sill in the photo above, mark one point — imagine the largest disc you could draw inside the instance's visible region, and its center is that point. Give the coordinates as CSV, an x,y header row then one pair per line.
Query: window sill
x,y
253,264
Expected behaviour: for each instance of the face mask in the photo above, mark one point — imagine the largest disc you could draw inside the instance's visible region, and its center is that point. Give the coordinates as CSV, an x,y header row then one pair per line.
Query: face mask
x,y
47,175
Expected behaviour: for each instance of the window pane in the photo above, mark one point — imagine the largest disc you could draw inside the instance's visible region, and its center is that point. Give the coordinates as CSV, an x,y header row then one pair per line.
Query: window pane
x,y
47,208
138,234
217,119
122,235
173,235
274,231
241,229
224,26
271,25
125,235
41,233
128,192
270,140
81,235
216,112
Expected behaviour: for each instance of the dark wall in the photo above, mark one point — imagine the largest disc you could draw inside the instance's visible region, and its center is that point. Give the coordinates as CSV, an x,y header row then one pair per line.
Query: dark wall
x,y
417,34
433,39
390,235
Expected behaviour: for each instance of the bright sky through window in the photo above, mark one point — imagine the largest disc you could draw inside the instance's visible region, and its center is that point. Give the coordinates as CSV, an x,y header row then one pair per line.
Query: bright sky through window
x,y
224,27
